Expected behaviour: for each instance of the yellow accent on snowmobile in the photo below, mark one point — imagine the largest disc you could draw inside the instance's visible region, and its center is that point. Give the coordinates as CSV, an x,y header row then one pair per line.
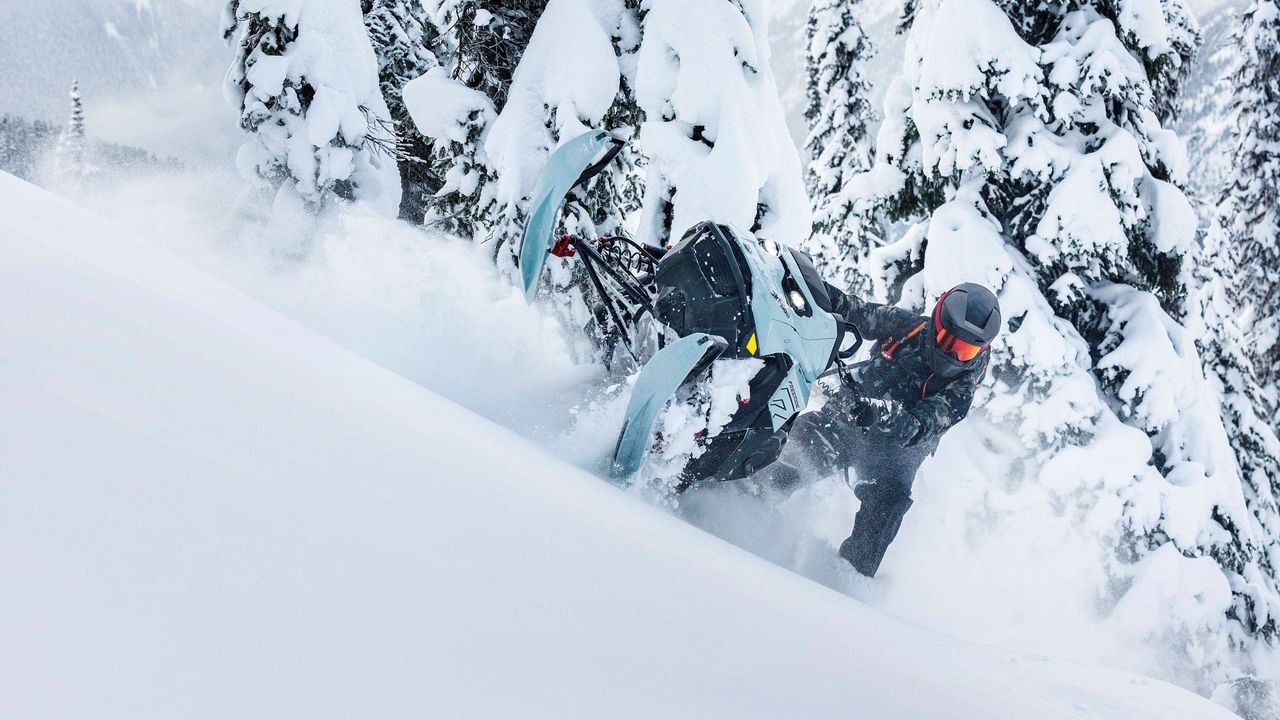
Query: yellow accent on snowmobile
x,y
752,346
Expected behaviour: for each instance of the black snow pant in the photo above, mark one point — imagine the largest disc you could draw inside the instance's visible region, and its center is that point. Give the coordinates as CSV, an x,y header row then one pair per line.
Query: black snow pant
x,y
827,441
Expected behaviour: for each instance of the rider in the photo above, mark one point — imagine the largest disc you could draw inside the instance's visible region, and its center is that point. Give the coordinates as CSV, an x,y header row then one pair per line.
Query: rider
x,y
891,410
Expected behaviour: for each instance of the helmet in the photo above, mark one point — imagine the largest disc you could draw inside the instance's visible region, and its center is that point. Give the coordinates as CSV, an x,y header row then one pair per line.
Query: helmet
x,y
965,321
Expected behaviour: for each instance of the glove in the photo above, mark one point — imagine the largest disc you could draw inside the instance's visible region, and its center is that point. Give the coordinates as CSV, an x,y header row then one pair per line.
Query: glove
x,y
864,414
900,426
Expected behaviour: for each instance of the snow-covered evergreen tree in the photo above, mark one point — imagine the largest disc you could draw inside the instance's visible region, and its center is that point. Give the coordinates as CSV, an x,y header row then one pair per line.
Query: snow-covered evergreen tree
x,y
71,163
491,36
1250,209
558,92
406,40
908,15
717,146
488,39
1172,69
721,91
454,118
1025,142
305,81
1205,118
839,142
1225,348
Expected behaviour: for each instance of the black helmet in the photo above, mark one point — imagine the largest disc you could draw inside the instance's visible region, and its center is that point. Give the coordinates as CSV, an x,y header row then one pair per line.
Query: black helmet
x,y
965,321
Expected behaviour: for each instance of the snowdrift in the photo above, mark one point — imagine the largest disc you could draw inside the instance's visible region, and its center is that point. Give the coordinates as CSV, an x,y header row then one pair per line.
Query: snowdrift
x,y
207,510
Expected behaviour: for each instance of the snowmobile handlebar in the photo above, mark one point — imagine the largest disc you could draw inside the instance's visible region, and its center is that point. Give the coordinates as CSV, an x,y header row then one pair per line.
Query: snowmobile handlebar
x,y
841,354
847,329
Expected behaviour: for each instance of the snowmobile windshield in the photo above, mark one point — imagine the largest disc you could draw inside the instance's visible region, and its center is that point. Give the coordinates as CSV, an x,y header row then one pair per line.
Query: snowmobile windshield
x,y
812,278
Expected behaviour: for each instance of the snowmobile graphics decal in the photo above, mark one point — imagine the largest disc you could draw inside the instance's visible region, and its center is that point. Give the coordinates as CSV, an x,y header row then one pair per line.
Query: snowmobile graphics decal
x,y
784,404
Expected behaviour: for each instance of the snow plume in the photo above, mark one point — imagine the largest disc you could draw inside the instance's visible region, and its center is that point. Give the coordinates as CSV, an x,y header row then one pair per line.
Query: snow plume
x,y
715,137
305,80
1025,143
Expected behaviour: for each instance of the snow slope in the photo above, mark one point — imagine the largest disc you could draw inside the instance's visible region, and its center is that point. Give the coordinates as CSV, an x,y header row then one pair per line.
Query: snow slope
x,y
207,510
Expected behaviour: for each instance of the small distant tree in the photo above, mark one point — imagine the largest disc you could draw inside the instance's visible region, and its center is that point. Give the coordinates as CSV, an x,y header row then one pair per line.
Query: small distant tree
x,y
70,161
23,144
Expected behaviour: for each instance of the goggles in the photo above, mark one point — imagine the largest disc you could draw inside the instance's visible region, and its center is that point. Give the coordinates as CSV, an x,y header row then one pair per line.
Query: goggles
x,y
948,343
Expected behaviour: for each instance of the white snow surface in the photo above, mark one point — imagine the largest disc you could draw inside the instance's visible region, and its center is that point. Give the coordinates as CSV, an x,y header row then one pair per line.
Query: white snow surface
x,y
207,509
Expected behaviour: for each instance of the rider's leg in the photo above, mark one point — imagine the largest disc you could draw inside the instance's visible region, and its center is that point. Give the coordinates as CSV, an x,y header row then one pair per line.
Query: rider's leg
x,y
887,473
884,503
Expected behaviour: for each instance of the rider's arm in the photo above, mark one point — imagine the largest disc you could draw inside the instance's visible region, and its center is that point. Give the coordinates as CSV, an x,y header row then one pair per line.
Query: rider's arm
x,y
874,321
938,412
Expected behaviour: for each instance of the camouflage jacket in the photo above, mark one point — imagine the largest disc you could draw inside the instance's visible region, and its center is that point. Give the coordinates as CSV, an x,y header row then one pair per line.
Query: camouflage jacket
x,y
899,367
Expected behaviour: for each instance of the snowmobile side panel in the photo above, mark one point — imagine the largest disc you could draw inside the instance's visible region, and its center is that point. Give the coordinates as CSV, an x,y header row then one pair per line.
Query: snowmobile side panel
x,y
790,398
661,377
753,437
574,163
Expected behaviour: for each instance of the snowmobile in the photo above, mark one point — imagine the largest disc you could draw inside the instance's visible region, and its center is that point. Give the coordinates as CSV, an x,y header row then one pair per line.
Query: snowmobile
x,y
723,293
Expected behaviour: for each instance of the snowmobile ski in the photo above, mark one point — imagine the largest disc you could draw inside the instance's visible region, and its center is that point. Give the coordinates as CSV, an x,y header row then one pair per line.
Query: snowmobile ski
x,y
658,383
572,164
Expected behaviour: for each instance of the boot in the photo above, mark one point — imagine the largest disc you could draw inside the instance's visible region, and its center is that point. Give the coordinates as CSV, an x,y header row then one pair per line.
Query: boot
x,y
875,526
